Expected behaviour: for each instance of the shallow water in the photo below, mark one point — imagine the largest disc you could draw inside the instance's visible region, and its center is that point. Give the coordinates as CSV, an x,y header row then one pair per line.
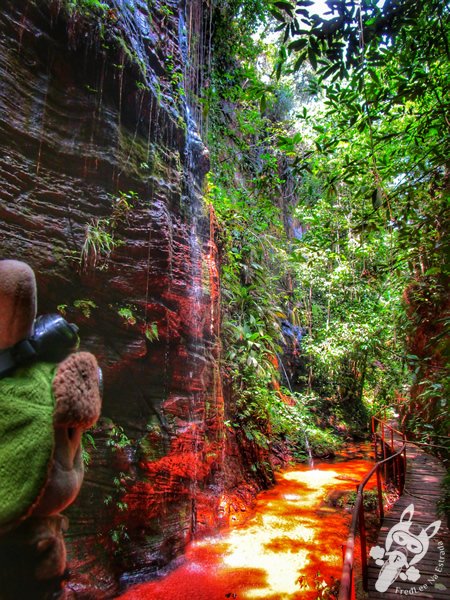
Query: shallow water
x,y
291,548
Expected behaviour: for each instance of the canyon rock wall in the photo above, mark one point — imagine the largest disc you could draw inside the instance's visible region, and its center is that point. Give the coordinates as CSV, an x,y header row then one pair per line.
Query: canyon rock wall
x,y
101,169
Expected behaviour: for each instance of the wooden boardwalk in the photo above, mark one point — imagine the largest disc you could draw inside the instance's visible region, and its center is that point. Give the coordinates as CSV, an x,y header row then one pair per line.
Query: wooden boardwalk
x,y
429,577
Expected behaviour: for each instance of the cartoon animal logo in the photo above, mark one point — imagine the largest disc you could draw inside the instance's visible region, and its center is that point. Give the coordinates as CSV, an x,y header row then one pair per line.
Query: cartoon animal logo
x,y
403,549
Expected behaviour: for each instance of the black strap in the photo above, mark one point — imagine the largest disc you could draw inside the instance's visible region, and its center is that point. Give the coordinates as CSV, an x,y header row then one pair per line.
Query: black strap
x,y
12,357
7,362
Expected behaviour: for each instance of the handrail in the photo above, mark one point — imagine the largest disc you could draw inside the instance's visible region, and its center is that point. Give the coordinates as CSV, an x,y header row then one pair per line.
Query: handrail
x,y
358,517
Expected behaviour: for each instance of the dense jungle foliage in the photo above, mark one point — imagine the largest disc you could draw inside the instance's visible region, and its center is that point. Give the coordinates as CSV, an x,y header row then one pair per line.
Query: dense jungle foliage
x,y
330,179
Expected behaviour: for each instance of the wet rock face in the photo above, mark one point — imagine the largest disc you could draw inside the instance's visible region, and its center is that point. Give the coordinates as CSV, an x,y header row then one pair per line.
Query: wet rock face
x,y
101,172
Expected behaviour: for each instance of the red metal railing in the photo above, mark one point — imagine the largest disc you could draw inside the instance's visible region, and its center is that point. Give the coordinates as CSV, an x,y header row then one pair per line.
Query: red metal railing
x,y
394,458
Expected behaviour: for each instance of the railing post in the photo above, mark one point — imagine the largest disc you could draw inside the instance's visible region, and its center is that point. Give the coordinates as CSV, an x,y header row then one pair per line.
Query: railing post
x,y
374,436
395,471
350,587
380,496
345,589
392,450
362,539
403,467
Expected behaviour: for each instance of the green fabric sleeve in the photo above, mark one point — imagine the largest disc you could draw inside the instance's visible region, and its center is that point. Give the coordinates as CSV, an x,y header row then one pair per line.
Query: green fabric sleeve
x,y
26,439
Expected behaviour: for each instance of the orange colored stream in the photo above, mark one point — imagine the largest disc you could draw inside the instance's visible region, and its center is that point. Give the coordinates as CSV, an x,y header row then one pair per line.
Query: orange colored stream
x,y
291,548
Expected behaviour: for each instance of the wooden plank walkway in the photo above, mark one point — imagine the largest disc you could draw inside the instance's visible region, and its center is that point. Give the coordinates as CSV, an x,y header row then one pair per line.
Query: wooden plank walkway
x,y
429,577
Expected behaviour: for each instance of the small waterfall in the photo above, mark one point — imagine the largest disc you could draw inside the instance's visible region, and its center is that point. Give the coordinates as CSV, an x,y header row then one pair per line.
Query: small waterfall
x,y
206,385
308,450
305,437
